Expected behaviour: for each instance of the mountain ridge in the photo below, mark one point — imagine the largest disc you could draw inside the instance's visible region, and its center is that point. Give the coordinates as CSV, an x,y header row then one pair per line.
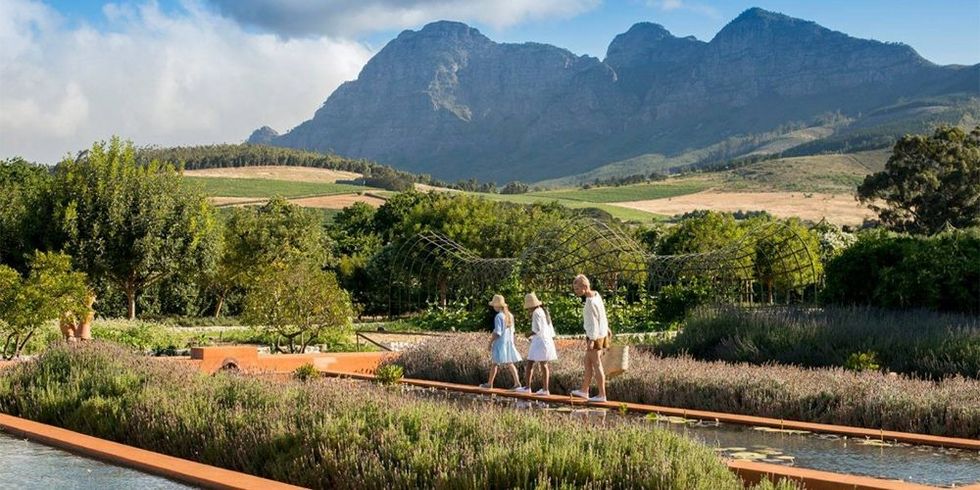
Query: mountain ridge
x,y
449,101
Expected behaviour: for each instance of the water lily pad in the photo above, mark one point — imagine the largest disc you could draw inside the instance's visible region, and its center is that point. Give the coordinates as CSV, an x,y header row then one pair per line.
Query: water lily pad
x,y
747,455
781,431
874,442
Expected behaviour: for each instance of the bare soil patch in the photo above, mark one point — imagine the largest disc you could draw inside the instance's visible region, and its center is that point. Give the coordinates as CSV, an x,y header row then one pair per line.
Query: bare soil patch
x,y
339,201
276,172
836,208
231,201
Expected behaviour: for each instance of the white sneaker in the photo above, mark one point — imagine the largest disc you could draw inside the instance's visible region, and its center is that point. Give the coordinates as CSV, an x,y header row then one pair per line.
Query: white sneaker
x,y
522,389
597,399
579,394
542,392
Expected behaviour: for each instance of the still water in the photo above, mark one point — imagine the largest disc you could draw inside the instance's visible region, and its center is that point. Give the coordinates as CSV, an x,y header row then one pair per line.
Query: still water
x,y
29,465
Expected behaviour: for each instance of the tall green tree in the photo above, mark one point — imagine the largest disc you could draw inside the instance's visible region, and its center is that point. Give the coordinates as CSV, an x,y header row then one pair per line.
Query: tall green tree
x,y
297,302
133,224
25,207
257,236
51,289
929,182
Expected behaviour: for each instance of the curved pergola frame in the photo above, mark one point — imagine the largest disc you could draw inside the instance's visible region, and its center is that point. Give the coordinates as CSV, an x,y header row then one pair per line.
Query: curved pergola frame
x,y
771,258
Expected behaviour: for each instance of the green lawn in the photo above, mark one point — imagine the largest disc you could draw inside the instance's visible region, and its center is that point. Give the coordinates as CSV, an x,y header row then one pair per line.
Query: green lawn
x,y
637,192
263,188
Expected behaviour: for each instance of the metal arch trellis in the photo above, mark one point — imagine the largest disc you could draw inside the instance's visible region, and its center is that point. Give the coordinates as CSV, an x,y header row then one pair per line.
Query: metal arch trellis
x,y
432,268
610,258
770,258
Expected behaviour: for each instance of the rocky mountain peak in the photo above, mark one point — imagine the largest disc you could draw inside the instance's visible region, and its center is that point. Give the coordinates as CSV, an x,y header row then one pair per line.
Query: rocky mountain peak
x,y
448,101
263,136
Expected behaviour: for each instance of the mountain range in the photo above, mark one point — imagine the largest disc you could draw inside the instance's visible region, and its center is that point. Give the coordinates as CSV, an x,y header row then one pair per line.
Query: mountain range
x,y
448,101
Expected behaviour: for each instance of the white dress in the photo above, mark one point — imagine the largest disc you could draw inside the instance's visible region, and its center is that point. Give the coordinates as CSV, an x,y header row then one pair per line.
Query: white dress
x,y
543,342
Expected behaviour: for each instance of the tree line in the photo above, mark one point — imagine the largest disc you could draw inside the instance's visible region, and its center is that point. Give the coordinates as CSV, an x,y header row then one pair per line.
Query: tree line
x,y
134,232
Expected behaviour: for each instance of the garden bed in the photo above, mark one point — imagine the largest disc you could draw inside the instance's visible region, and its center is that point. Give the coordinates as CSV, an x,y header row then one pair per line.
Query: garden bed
x,y
919,343
832,396
342,434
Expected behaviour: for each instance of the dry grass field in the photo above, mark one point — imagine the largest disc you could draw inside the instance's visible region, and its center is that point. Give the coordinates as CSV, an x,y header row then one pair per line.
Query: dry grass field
x,y
836,208
292,174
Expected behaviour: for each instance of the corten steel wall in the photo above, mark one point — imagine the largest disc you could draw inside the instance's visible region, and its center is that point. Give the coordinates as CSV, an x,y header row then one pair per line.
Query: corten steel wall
x,y
247,359
183,470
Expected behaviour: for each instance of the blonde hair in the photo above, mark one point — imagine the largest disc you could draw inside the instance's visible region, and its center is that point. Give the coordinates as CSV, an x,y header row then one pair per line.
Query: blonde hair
x,y
508,317
581,279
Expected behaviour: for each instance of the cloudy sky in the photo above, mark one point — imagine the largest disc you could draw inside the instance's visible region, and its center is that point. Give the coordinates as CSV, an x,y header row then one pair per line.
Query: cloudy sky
x,y
171,72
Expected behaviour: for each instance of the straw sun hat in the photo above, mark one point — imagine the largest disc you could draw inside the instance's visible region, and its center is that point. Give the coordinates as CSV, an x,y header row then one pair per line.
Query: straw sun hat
x,y
498,300
531,301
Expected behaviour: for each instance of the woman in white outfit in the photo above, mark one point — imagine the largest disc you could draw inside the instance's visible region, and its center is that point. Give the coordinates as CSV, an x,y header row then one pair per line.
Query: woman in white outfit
x,y
542,350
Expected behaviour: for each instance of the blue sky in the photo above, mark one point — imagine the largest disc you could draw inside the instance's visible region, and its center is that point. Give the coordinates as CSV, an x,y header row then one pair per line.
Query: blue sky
x,y
184,72
943,31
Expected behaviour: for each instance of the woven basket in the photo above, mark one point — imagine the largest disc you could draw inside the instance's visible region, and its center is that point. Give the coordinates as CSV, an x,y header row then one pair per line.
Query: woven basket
x,y
616,360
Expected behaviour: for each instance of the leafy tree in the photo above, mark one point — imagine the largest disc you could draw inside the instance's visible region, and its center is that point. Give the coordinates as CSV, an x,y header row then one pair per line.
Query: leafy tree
x,y
929,182
50,290
296,302
708,231
25,208
257,236
703,231
132,224
516,187
355,243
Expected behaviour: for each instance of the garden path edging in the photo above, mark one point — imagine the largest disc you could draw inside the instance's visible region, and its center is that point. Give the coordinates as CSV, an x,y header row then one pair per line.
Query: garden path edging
x,y
171,467
909,437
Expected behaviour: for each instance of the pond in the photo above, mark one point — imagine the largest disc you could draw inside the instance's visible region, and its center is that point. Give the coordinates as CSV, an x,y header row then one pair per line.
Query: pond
x,y
29,465
867,457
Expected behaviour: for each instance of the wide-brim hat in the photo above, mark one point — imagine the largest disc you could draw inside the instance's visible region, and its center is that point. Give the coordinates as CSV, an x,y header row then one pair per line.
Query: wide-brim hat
x,y
531,301
498,300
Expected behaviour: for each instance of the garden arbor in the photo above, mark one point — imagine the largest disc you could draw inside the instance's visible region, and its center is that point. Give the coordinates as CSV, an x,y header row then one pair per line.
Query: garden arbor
x,y
773,261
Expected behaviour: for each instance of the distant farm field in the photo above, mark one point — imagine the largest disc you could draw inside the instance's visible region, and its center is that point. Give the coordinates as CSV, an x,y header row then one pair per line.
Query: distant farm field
x,y
265,188
835,208
623,213
276,172
637,192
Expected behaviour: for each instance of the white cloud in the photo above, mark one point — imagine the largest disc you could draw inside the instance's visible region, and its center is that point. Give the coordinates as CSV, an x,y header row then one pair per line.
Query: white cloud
x,y
292,18
188,77
671,5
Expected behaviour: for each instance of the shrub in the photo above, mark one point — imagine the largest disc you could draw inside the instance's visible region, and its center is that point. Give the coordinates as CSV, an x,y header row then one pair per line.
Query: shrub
x,y
305,372
862,361
834,396
676,301
343,434
895,271
920,343
389,374
456,316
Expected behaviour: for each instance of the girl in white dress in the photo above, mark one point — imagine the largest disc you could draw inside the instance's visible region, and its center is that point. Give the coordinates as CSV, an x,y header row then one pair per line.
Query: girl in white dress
x,y
502,348
542,350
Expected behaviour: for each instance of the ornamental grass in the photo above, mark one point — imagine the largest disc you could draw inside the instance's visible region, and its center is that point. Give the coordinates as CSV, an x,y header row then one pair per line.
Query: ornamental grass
x,y
919,343
871,399
329,433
